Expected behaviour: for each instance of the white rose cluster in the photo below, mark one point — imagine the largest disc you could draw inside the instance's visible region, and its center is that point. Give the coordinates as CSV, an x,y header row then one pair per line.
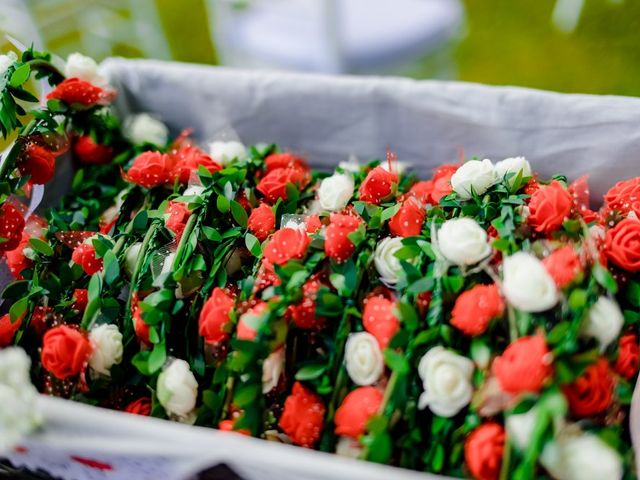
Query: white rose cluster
x,y
477,176
225,152
143,128
19,414
446,379
106,341
463,241
527,285
363,359
178,390
335,191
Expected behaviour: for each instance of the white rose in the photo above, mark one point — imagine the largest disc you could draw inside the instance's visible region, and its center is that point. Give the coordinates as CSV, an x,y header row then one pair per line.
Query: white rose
x,y
19,414
473,176
352,165
446,379
513,165
581,456
177,389
348,447
526,283
194,190
297,222
336,191
603,322
463,241
106,341
363,358
272,369
520,427
131,257
386,262
84,68
6,61
225,152
143,128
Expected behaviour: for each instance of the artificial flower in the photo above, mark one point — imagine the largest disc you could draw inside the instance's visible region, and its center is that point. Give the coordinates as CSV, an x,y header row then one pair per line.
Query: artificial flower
x,y
302,418
355,411
524,366
106,348
526,284
475,308
335,191
463,241
177,389
363,358
65,351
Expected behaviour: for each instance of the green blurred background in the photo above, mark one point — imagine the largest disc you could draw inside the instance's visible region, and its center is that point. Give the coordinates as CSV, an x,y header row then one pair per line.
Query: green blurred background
x,y
504,42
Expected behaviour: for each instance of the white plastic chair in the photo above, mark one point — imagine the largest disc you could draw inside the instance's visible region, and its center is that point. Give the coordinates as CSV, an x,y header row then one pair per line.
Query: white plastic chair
x,y
333,36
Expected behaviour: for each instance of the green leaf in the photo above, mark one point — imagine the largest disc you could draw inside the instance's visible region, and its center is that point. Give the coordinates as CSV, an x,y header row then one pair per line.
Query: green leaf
x,y
578,299
211,234
18,309
246,394
223,204
604,278
311,372
20,75
389,212
253,245
157,357
396,361
424,284
408,316
239,213
111,267
141,220
633,293
41,246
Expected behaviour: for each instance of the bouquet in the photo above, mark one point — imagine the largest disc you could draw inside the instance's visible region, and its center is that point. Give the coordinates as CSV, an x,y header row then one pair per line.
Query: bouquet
x,y
482,323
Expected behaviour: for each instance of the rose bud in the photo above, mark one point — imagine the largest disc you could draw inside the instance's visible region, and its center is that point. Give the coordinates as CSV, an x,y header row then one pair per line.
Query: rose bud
x,y
140,327
463,241
622,244
150,169
407,222
483,451
84,68
446,380
144,129
214,321
89,152
442,182
335,191
313,223
141,406
178,390
177,215
363,359
603,322
355,411
303,313
591,393
85,256
81,298
41,319
378,186
524,366
474,177
65,351
286,244
380,320
187,160
11,226
262,221
549,207
107,348
421,191
16,259
563,265
512,167
225,152
475,308
39,163
284,160
337,245
8,329
274,184
302,418
628,359
80,93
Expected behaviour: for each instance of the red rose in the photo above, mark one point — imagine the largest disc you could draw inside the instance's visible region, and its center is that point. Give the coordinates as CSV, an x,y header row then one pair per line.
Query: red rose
x,y
355,411
8,329
284,160
579,190
274,184
178,214
303,416
262,221
246,329
89,152
16,261
379,319
150,169
41,319
336,243
11,227
442,182
74,91
421,191
85,256
187,158
622,244
139,325
142,406
286,244
313,223
266,276
549,207
379,185
475,308
303,313
624,196
591,393
65,351
407,222
214,317
81,298
483,451
628,359
524,366
563,265
531,187
39,163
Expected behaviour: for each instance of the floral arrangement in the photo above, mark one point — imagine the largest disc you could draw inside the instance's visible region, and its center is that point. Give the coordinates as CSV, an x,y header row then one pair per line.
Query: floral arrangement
x,y
482,323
